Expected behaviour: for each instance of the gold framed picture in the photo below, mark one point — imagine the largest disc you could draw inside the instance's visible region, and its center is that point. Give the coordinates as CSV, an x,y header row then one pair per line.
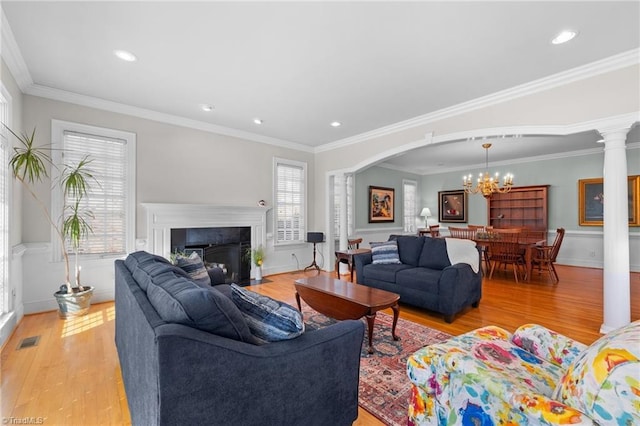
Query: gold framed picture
x,y
591,201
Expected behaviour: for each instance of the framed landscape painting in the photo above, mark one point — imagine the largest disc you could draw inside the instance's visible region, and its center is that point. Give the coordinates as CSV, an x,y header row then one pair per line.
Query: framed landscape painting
x,y
591,201
381,204
452,206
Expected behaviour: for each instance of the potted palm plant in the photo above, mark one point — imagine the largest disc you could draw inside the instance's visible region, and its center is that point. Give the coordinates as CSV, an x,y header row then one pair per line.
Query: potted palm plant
x,y
28,165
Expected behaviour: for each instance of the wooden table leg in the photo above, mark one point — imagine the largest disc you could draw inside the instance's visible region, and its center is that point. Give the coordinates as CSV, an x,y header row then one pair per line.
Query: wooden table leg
x,y
396,313
298,300
527,262
351,267
370,320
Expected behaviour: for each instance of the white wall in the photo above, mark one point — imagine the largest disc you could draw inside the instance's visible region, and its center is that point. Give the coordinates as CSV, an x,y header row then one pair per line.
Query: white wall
x,y
174,165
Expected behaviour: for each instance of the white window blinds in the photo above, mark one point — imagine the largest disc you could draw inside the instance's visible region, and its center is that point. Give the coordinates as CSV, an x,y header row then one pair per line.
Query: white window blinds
x,y
290,197
410,206
107,199
337,198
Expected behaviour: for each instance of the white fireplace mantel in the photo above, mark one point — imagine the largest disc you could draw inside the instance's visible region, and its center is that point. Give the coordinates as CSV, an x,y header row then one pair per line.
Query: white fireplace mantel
x,y
162,217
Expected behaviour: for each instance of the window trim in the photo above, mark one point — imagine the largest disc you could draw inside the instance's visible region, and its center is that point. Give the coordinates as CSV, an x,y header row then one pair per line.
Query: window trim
x,y
303,234
6,299
58,127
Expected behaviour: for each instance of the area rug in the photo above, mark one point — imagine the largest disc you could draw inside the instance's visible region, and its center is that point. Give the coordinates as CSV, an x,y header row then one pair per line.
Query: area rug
x,y
384,386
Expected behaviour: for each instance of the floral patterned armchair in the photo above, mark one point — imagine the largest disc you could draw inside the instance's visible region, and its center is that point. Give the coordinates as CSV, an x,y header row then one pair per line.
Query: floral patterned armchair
x,y
534,376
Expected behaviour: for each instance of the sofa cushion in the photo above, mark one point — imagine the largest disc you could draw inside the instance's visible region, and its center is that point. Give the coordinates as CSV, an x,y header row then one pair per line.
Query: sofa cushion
x,y
145,266
195,268
385,253
409,248
383,272
434,254
268,319
602,381
178,299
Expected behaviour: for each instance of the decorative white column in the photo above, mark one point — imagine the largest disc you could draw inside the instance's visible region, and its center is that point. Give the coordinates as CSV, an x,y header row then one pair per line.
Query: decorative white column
x,y
617,299
344,231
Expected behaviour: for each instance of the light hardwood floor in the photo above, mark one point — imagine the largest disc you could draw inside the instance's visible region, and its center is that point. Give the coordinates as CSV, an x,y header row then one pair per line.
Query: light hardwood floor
x,y
73,376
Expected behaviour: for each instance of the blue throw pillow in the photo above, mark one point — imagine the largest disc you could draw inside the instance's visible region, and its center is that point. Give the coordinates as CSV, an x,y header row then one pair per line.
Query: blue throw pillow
x,y
195,268
268,319
385,253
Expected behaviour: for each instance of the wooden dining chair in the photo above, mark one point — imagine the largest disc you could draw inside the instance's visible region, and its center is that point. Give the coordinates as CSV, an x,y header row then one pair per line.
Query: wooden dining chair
x,y
504,250
354,243
434,230
464,233
545,256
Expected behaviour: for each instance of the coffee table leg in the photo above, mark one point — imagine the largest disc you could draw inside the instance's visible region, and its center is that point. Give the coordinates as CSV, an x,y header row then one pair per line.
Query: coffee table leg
x,y
298,300
370,320
396,313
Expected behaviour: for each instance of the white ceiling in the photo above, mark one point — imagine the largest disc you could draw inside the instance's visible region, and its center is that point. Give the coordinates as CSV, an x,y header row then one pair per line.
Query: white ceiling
x,y
300,65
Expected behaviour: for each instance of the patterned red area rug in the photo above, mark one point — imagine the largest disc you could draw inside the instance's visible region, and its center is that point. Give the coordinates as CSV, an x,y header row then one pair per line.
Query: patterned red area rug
x,y
384,386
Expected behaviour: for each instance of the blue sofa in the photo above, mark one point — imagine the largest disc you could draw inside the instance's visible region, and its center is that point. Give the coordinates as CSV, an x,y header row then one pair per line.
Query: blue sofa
x,y
425,277
205,367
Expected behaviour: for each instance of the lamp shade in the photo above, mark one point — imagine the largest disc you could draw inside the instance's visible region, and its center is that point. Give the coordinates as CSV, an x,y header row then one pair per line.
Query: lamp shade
x,y
425,212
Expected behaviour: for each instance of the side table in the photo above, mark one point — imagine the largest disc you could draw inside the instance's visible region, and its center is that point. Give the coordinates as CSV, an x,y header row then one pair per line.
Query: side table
x,y
346,256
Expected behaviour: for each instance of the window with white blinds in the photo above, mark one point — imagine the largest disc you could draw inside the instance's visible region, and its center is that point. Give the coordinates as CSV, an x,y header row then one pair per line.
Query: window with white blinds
x,y
290,185
410,205
4,204
110,198
337,201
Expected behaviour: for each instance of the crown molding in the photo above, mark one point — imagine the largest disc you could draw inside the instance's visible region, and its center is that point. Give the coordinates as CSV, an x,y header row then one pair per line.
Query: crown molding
x,y
103,104
12,55
622,60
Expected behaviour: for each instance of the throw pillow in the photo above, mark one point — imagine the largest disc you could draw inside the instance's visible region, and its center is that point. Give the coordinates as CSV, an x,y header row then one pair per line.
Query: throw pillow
x,y
177,299
195,268
385,253
268,319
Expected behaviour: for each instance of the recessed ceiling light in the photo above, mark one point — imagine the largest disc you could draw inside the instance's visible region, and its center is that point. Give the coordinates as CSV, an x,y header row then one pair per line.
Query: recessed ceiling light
x,y
336,124
257,121
206,107
564,37
125,55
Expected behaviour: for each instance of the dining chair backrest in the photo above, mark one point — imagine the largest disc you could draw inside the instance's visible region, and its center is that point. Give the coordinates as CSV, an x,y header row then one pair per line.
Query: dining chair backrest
x,y
464,233
477,227
556,244
354,243
434,230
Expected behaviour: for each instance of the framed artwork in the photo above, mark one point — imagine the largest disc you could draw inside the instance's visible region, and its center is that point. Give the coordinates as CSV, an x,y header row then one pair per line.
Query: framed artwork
x,y
452,206
381,204
591,201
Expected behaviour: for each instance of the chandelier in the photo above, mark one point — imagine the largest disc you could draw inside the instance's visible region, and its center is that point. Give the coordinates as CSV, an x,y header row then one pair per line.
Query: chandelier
x,y
487,184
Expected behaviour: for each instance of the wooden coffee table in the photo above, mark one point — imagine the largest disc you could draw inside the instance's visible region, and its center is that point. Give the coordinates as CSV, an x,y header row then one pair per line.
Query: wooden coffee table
x,y
343,300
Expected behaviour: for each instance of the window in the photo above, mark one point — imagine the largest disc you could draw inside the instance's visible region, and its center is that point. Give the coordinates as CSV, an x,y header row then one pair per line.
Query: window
x,y
4,201
410,209
110,199
337,198
290,184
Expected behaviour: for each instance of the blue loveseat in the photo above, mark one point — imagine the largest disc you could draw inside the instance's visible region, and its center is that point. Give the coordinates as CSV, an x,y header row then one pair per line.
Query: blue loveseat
x,y
425,276
206,368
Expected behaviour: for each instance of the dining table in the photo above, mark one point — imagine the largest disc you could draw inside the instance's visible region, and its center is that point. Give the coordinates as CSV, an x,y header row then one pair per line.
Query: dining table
x,y
527,245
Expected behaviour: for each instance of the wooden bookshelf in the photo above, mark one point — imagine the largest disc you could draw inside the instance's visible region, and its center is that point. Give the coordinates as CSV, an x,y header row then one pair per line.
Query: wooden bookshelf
x,y
524,206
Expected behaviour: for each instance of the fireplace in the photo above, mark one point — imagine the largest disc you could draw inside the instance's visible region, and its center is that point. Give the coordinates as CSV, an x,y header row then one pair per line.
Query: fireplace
x,y
223,247
203,224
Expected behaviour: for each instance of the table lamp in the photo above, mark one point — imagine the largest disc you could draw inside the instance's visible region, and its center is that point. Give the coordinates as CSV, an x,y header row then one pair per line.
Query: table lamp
x,y
426,213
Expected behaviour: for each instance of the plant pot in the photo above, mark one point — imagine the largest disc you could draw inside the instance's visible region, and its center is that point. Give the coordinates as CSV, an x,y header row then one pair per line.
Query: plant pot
x,y
73,305
258,273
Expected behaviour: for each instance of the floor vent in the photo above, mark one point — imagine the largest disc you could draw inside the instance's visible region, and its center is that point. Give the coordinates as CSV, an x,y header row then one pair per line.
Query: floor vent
x,y
28,342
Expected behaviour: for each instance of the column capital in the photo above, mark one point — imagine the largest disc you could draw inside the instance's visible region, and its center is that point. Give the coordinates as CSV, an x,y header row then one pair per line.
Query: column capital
x,y
618,125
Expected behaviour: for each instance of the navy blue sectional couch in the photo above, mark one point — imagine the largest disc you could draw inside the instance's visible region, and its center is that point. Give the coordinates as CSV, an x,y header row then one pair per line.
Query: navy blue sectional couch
x,y
188,358
425,278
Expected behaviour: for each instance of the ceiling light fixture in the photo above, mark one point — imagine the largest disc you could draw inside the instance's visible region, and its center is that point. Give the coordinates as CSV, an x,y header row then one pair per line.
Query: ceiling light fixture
x,y
564,37
206,107
336,124
487,185
257,121
125,55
